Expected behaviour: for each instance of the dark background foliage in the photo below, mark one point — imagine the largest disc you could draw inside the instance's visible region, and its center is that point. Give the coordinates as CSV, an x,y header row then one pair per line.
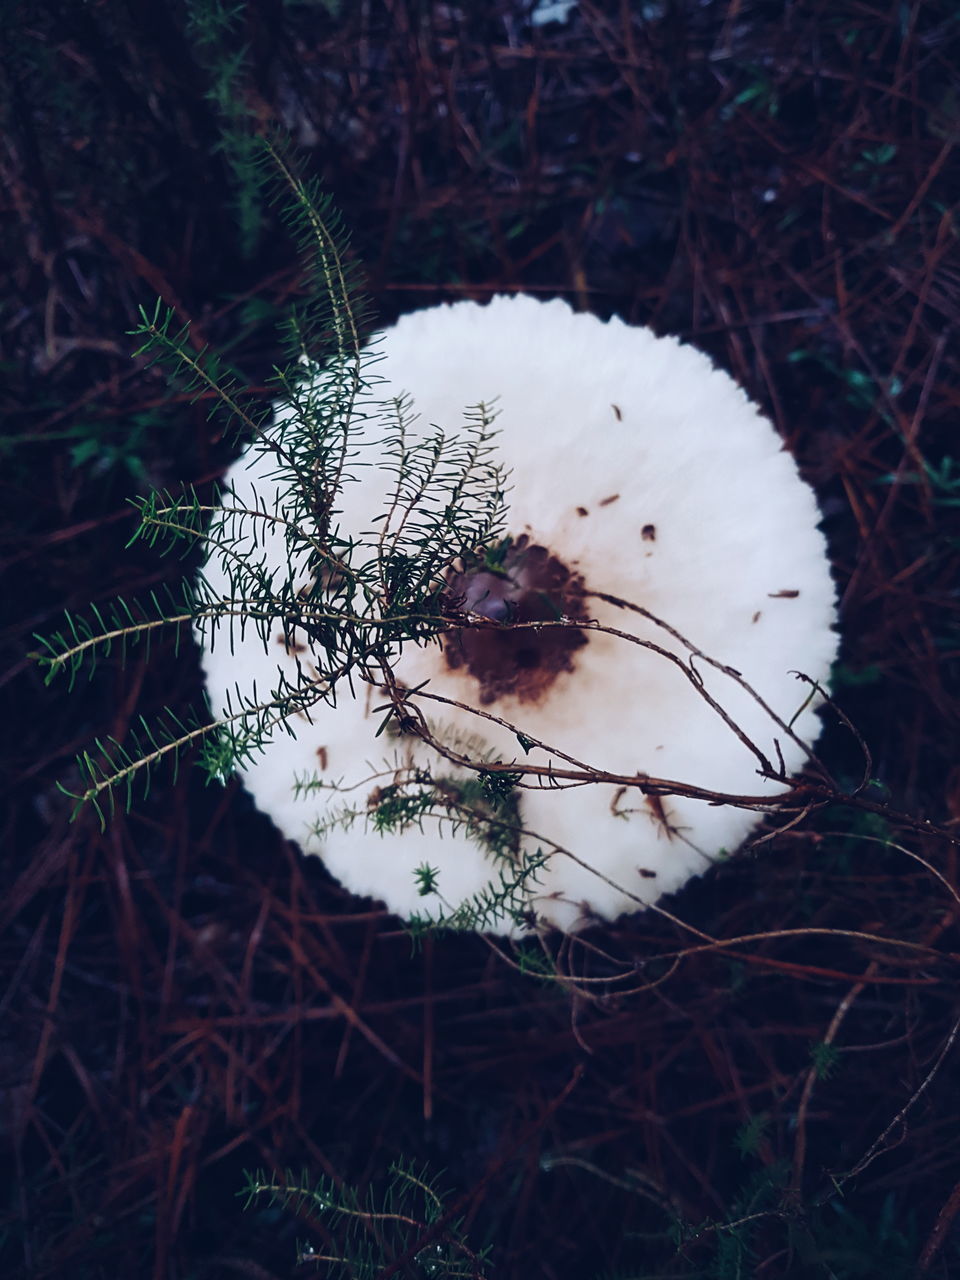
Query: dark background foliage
x,y
183,996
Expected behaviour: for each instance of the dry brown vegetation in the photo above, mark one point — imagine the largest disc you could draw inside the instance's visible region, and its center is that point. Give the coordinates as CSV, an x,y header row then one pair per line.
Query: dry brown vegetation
x,y
762,1083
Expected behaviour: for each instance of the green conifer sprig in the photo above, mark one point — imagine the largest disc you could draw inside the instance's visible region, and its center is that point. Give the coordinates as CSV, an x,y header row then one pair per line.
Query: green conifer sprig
x,y
200,373
405,1217
356,600
113,767
82,643
336,305
505,900
215,28
482,807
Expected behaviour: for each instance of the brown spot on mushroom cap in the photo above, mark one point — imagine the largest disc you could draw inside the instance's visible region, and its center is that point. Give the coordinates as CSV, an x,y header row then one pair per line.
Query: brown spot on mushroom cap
x,y
658,811
322,757
617,797
787,594
291,645
582,511
614,497
523,584
649,533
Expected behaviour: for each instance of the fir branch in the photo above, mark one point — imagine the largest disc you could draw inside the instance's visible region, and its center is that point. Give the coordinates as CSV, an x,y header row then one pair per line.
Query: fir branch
x,y
215,27
406,1214
235,737
505,900
199,373
336,306
322,241
84,642
113,766
356,601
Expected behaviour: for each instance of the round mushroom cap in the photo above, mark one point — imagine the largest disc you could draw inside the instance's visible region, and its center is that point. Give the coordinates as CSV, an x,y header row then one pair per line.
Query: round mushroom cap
x,y
638,471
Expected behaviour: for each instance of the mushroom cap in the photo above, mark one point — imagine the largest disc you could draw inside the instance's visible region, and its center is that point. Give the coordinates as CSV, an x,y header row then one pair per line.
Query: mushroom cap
x,y
647,473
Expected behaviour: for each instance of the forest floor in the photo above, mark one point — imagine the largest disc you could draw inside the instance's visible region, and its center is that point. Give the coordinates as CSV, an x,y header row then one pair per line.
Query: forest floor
x,y
186,999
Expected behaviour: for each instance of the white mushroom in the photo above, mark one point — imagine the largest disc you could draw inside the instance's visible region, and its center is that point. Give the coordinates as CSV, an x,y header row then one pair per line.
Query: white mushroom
x,y
637,470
